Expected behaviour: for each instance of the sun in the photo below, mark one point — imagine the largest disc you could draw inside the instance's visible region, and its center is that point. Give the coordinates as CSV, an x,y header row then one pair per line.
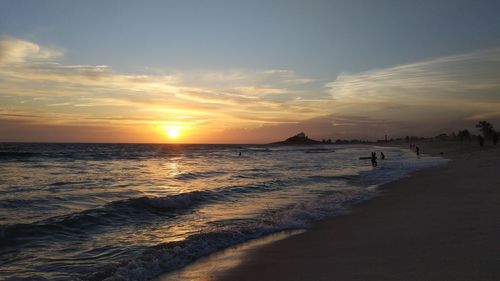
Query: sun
x,y
173,132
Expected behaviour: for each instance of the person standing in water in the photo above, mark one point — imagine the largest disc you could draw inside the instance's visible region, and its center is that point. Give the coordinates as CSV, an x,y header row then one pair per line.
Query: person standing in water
x,y
374,159
382,156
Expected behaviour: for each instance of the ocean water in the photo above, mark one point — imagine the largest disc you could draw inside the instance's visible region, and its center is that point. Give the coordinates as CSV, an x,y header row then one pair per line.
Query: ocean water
x,y
133,211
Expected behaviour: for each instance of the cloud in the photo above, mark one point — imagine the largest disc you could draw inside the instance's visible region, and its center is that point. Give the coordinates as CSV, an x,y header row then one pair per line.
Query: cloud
x,y
14,51
452,87
82,94
485,116
37,90
423,98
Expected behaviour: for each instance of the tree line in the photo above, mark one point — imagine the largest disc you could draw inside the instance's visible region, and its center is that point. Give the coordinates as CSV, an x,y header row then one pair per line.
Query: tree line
x,y
487,132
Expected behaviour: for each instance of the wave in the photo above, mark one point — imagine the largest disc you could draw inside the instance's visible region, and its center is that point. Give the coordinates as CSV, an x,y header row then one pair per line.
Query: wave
x,y
293,148
99,152
142,210
258,149
137,210
319,150
166,257
12,155
194,176
391,170
134,210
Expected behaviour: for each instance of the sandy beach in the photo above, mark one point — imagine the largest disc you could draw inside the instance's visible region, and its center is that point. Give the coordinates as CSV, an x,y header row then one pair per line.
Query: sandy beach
x,y
438,224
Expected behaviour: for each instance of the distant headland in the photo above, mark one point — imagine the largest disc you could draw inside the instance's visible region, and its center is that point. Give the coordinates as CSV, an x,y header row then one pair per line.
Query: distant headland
x,y
300,139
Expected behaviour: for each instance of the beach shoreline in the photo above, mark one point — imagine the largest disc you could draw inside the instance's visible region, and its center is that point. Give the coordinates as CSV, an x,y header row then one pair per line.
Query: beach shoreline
x,y
437,224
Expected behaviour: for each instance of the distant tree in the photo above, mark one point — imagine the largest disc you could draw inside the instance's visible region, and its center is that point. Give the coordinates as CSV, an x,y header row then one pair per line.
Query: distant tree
x,y
485,128
407,138
464,135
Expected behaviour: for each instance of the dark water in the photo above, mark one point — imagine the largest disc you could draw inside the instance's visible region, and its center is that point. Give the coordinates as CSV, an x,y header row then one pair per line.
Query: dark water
x,y
133,211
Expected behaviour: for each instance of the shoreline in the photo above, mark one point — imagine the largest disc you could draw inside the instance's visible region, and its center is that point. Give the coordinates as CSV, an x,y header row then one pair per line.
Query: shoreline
x,y
216,265
429,231
437,224
205,268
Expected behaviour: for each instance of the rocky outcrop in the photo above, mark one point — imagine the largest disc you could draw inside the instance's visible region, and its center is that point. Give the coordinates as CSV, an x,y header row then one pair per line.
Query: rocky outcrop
x,y
299,139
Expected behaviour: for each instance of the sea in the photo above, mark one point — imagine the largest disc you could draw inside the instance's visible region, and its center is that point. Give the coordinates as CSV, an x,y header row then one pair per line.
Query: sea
x,y
135,211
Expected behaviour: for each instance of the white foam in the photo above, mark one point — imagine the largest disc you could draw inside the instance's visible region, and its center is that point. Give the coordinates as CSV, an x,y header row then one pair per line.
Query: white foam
x,y
167,257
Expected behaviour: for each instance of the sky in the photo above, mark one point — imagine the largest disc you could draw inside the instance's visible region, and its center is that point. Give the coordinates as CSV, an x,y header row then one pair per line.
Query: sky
x,y
245,71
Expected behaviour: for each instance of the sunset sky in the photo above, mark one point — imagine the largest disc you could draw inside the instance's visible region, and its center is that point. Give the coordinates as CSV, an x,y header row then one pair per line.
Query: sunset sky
x,y
245,71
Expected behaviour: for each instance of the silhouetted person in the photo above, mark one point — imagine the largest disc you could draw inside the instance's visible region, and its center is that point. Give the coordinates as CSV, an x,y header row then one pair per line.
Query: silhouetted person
x,y
417,150
382,156
239,154
481,141
374,159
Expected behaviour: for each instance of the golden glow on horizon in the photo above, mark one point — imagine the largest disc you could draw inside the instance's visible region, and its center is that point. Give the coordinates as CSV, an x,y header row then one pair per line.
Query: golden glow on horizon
x,y
40,95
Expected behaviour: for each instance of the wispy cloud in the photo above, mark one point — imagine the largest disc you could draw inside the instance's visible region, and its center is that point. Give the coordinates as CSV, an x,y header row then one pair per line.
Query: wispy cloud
x,y
423,98
37,88
15,51
453,87
221,98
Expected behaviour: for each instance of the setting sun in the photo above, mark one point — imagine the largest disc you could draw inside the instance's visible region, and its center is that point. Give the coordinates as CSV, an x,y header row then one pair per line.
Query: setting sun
x,y
173,132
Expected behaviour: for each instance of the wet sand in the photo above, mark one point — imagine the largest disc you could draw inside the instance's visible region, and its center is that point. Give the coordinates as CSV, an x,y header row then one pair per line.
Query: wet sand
x,y
438,224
